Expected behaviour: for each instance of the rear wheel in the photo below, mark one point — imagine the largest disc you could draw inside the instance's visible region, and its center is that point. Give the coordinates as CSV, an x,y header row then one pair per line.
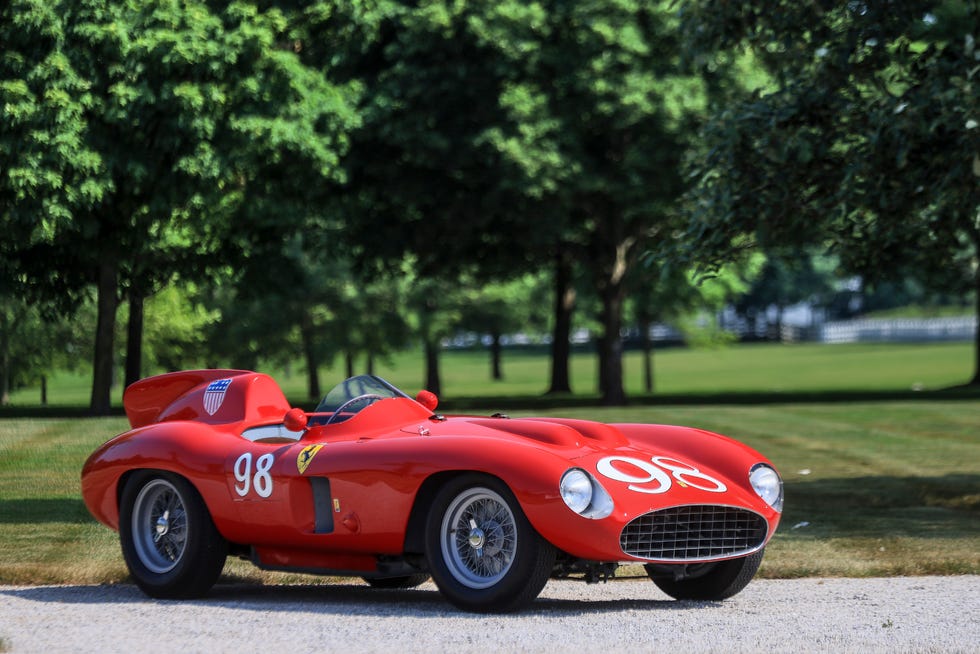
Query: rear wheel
x,y
709,581
482,552
169,542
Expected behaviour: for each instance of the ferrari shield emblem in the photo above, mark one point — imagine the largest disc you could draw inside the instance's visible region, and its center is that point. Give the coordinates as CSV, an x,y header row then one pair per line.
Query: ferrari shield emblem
x,y
306,456
214,395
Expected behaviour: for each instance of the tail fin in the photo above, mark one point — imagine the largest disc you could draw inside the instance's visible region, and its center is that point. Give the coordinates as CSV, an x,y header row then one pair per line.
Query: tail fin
x,y
148,399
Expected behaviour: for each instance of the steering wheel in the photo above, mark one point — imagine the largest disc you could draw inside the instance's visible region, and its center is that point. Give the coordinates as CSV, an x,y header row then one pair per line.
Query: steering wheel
x,y
374,397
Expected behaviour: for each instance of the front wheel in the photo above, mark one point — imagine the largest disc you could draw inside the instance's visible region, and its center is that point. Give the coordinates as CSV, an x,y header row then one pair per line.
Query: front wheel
x,y
482,552
169,542
709,581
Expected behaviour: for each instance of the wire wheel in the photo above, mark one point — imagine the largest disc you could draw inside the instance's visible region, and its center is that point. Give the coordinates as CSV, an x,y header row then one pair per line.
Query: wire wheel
x,y
480,548
171,546
159,526
479,535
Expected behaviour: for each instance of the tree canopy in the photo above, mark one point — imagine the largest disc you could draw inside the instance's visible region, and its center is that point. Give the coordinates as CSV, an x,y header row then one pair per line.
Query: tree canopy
x,y
366,169
867,138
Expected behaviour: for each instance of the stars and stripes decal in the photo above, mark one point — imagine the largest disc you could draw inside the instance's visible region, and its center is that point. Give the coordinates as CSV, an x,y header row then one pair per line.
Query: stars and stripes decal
x,y
214,395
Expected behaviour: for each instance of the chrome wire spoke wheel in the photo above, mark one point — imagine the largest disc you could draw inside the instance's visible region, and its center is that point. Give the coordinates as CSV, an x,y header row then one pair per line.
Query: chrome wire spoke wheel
x,y
159,526
479,538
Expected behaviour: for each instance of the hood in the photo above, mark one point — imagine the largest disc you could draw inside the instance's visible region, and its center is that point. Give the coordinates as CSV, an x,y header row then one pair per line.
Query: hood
x,y
563,432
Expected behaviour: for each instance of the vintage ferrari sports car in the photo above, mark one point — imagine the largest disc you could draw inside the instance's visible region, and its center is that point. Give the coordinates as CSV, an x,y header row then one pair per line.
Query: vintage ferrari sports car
x,y
376,484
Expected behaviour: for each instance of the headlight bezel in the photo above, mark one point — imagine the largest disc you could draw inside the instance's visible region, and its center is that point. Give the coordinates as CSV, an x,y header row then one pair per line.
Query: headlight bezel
x,y
577,486
767,484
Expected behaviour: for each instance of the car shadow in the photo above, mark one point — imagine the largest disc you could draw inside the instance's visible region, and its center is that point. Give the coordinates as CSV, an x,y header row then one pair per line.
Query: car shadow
x,y
343,600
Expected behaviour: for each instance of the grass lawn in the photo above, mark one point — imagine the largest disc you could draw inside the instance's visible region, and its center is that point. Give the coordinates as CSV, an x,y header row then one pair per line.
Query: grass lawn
x,y
723,371
872,487
881,488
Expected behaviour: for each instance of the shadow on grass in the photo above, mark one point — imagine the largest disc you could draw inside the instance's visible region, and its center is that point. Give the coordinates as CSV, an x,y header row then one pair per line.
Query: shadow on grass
x,y
946,506
34,511
493,403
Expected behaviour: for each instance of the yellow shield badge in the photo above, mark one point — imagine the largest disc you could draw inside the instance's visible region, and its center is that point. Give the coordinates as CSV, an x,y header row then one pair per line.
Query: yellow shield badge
x,y
304,458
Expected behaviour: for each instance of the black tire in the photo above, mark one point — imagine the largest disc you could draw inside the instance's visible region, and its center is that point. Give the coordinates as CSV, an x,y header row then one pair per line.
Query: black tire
x,y
482,552
712,581
408,581
169,542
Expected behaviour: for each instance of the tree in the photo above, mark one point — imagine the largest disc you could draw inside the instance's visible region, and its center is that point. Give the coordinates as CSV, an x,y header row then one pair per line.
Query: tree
x,y
495,310
681,296
786,278
179,118
426,165
514,132
620,106
29,345
866,142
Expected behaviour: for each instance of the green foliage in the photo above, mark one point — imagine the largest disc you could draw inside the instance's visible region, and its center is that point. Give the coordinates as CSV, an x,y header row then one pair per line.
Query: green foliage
x,y
867,139
867,142
272,158
176,330
30,347
179,130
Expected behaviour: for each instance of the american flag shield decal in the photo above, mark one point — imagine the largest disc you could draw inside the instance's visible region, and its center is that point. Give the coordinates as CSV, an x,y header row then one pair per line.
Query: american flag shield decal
x,y
214,395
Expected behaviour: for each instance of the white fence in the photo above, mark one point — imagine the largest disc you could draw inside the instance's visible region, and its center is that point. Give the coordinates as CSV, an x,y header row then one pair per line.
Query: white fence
x,y
899,329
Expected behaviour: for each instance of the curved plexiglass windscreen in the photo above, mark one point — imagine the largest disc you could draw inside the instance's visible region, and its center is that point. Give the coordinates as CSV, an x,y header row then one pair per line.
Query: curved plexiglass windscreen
x,y
349,389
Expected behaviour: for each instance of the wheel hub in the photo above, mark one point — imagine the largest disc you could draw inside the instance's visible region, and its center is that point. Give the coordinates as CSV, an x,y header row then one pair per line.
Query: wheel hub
x,y
162,526
476,538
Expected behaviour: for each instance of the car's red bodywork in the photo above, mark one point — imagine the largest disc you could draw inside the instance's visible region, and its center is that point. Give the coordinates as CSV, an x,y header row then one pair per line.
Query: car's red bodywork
x,y
352,497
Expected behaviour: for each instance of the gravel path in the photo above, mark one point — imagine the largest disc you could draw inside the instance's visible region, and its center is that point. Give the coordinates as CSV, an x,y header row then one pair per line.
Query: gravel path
x,y
914,614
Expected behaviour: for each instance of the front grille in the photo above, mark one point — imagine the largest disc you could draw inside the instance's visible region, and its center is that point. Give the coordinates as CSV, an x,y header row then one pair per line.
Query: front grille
x,y
694,533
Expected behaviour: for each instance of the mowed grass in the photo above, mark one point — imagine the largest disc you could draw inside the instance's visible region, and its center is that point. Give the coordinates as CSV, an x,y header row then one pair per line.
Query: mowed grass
x,y
722,371
885,488
872,488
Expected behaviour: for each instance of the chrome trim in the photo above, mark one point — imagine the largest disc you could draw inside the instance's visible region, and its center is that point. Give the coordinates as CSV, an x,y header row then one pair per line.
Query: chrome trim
x,y
694,533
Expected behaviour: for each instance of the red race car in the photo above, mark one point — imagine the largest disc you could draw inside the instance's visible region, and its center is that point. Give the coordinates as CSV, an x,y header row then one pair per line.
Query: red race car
x,y
376,484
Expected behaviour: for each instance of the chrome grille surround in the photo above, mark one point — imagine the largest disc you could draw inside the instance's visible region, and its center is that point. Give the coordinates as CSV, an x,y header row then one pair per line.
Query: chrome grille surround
x,y
697,532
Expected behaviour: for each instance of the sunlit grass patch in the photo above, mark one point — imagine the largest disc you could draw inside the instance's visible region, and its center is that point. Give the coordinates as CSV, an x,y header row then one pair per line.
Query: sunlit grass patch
x,y
872,488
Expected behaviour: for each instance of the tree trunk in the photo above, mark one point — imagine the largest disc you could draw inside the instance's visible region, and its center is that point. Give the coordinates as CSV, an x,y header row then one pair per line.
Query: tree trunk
x,y
561,337
976,340
613,249
4,380
308,336
108,302
611,347
134,338
496,371
349,361
432,379
647,344
5,329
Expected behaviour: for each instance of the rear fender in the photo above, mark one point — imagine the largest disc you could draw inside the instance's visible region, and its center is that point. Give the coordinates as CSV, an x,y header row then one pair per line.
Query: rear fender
x,y
191,450
242,396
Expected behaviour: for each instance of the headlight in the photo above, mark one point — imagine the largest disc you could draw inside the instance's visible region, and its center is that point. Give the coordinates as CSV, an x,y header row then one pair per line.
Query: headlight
x,y
576,490
766,482
584,495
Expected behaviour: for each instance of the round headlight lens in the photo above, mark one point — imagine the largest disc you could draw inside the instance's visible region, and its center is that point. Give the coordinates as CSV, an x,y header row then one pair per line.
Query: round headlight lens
x,y
576,490
767,483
